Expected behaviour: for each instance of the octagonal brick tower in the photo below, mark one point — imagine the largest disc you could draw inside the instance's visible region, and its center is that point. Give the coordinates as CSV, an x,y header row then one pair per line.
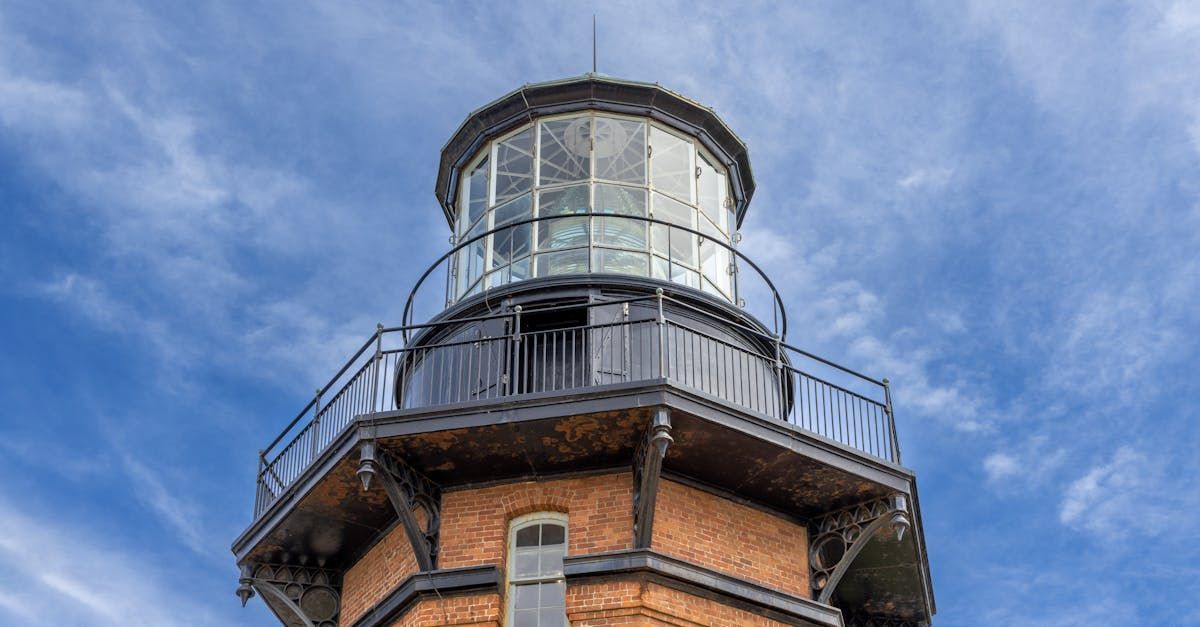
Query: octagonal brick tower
x,y
594,430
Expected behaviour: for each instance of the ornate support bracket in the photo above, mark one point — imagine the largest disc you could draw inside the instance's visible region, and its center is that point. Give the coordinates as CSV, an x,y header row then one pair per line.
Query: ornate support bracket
x,y
839,536
410,492
647,468
298,595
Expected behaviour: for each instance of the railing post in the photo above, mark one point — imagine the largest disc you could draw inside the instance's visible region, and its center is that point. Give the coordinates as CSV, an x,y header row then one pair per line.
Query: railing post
x,y
887,397
260,496
662,335
779,378
514,372
316,426
378,364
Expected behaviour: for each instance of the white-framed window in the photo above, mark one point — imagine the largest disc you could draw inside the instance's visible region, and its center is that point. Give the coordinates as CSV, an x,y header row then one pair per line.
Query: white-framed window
x,y
537,592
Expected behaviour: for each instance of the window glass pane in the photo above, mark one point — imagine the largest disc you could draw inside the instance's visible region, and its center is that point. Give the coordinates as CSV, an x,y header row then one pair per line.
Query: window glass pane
x,y
660,240
671,164
474,198
620,262
659,268
566,262
519,270
554,594
528,536
553,534
518,209
552,617
620,150
563,232
711,192
525,618
496,279
687,277
525,561
552,559
714,264
525,597
563,201
711,230
627,201
509,244
674,211
514,166
565,150
621,232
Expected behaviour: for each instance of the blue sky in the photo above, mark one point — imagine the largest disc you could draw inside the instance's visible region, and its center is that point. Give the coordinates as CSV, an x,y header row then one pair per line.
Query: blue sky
x,y
995,205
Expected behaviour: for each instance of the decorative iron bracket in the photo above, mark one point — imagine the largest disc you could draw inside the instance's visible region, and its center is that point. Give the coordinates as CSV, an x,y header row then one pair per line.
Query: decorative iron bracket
x,y
839,536
297,594
647,469
408,491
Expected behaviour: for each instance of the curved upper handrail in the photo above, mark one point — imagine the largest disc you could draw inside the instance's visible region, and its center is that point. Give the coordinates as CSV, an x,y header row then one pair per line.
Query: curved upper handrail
x,y
778,309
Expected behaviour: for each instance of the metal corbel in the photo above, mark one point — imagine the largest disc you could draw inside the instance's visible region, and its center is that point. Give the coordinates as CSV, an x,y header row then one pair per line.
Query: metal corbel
x,y
296,594
408,491
840,535
647,471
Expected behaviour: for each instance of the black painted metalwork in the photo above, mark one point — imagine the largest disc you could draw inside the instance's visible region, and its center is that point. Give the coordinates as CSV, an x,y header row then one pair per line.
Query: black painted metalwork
x,y
298,595
409,492
495,356
839,536
647,469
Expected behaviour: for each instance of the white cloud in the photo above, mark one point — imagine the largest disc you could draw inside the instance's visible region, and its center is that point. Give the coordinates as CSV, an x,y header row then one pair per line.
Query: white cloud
x,y
1130,495
182,517
59,575
1000,466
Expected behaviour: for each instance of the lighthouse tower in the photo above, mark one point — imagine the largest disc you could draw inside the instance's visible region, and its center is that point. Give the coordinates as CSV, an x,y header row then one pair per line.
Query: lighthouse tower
x,y
603,420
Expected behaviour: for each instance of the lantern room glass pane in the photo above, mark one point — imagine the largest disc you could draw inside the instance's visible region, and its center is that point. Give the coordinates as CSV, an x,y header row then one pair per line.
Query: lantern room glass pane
x,y
673,211
619,147
563,232
509,244
566,148
620,232
518,209
474,200
620,262
514,166
711,192
626,201
671,164
565,262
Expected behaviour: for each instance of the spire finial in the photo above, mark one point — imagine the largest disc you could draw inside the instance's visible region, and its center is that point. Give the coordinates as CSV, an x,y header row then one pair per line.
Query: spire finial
x,y
593,43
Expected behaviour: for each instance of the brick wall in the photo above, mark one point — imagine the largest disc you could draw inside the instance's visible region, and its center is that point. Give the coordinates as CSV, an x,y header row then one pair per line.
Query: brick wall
x,y
475,522
475,610
689,524
612,603
383,567
705,529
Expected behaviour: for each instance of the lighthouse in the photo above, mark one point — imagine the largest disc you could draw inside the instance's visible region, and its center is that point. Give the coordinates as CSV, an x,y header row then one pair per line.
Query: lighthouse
x,y
605,420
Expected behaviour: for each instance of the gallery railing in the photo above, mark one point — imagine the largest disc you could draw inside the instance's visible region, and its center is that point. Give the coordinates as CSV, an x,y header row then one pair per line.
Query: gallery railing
x,y
496,359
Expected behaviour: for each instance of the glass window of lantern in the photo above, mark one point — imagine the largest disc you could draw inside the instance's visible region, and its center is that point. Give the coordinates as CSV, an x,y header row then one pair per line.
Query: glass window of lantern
x,y
671,164
514,166
614,168
620,150
537,588
566,150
